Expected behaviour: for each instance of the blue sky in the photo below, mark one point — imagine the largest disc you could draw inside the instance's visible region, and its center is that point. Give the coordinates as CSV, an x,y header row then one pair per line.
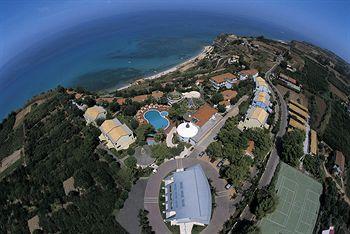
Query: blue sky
x,y
24,22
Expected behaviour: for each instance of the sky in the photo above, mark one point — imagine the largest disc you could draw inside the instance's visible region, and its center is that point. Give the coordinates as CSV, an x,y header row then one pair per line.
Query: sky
x,y
26,22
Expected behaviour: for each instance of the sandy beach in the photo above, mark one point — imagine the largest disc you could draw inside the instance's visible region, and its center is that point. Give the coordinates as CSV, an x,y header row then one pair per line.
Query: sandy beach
x,y
183,66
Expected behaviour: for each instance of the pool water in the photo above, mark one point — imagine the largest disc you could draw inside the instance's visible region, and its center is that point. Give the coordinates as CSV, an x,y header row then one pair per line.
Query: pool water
x,y
157,119
164,113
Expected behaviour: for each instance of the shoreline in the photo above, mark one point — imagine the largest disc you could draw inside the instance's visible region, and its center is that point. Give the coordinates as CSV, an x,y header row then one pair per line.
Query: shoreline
x,y
158,75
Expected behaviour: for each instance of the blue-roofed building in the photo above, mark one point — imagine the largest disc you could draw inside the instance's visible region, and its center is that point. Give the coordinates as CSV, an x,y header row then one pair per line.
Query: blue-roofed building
x,y
188,198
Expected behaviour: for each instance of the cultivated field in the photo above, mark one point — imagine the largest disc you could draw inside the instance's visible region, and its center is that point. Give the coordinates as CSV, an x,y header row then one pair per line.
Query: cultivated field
x,y
298,203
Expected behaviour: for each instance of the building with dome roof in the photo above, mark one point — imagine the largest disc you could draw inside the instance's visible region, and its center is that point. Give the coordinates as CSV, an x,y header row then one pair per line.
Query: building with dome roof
x,y
186,131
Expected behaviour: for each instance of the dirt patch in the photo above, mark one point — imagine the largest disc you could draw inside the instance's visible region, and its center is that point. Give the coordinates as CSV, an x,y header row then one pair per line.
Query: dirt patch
x,y
20,116
9,160
298,97
33,224
22,113
338,93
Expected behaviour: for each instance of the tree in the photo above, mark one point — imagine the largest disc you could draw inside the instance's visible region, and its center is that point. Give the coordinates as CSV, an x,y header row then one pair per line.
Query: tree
x,y
221,108
144,223
134,123
130,162
114,106
160,152
216,98
130,151
292,147
312,164
264,202
214,150
89,101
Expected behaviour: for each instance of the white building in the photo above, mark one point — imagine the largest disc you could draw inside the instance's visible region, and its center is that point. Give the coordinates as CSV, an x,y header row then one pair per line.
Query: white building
x,y
186,131
188,198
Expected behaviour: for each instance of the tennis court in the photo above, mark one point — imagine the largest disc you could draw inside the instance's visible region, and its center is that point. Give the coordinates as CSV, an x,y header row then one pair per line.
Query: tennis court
x,y
298,203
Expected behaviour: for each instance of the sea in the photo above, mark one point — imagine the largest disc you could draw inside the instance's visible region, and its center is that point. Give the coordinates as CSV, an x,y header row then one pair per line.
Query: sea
x,y
113,51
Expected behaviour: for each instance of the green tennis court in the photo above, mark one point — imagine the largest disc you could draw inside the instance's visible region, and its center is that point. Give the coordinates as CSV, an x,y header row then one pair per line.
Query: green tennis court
x,y
298,203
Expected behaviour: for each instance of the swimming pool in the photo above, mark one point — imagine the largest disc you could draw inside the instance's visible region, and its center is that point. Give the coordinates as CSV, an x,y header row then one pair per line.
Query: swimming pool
x,y
157,119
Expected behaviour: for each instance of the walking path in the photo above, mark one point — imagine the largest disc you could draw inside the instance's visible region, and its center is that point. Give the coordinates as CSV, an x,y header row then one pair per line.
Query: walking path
x,y
169,138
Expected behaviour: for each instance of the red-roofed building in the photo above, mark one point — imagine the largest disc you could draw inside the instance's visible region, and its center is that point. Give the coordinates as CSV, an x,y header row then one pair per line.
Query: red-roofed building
x,y
339,162
203,114
245,74
223,80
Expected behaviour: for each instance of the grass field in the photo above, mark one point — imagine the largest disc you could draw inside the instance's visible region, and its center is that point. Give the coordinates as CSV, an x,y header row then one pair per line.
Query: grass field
x,y
298,204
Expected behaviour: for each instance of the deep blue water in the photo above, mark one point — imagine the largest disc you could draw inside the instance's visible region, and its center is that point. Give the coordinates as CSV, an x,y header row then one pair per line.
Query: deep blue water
x,y
113,51
156,119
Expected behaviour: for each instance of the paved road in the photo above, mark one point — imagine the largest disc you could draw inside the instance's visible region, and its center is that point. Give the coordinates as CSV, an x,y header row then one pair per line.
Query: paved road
x,y
224,206
274,158
209,137
127,216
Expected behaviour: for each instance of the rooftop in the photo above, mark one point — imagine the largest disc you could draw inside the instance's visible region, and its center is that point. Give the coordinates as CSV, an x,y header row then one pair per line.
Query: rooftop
x,y
340,160
299,105
313,143
187,130
223,77
298,111
191,196
93,112
259,114
285,77
229,94
296,124
203,114
114,129
249,72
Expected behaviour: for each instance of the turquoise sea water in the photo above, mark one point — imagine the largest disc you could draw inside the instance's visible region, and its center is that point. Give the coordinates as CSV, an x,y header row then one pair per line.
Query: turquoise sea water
x,y
113,51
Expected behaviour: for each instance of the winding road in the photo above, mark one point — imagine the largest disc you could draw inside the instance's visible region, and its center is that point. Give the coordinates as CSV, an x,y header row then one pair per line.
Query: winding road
x,y
283,115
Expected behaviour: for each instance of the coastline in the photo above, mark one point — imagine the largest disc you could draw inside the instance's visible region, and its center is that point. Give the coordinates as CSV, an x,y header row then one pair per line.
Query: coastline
x,y
184,65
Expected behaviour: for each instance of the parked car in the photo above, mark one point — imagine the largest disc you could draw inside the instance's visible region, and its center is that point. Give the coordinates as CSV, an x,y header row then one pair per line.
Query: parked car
x,y
220,163
216,138
201,153
212,160
228,186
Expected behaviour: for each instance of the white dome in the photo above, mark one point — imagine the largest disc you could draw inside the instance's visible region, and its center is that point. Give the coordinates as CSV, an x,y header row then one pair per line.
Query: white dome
x,y
187,130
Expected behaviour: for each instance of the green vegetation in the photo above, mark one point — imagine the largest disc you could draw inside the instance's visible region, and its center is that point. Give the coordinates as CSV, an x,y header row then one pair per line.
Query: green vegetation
x,y
161,151
58,146
313,77
313,165
144,223
177,110
292,147
231,145
243,107
337,135
11,139
334,210
264,202
216,98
